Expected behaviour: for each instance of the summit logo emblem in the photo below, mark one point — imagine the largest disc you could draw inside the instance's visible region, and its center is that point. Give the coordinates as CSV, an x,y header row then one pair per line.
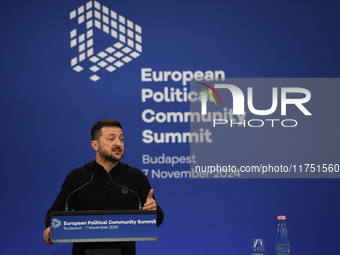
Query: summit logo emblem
x,y
124,39
55,223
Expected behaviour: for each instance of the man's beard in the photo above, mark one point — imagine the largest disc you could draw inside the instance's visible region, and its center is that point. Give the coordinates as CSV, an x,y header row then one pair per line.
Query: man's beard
x,y
109,157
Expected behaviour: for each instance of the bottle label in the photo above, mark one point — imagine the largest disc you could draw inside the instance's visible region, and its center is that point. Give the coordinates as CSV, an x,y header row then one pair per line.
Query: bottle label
x,y
282,249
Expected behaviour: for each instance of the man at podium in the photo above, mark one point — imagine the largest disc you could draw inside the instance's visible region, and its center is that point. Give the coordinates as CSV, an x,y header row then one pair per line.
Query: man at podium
x,y
105,184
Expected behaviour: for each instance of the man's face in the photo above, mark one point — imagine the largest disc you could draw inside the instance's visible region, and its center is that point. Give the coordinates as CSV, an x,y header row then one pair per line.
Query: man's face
x,y
110,145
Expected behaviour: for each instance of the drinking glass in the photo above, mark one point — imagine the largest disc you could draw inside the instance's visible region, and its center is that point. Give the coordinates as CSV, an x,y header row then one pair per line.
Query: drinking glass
x,y
257,247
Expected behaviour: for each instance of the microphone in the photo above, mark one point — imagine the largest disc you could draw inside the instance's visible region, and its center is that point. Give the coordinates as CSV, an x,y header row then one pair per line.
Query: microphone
x,y
66,203
139,201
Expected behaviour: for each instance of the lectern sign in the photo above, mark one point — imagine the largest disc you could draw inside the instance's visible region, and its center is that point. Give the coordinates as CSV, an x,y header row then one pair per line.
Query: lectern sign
x,y
103,226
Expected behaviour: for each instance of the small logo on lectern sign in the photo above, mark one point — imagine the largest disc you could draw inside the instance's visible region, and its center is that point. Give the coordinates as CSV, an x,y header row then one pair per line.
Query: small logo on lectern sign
x,y
123,45
55,223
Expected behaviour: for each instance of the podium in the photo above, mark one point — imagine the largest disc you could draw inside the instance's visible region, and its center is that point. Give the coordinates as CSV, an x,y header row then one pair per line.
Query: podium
x,y
103,226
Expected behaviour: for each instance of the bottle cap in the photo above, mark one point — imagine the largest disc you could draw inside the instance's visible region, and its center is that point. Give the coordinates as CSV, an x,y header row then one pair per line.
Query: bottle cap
x,y
281,217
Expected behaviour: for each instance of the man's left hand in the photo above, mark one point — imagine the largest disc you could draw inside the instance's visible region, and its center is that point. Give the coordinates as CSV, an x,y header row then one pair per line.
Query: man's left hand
x,y
150,202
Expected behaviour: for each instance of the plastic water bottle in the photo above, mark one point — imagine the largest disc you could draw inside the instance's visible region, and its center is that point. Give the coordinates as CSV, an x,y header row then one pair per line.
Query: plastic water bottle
x,y
282,245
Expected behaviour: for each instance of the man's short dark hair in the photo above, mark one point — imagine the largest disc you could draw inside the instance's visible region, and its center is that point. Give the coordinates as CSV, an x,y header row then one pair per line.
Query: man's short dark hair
x,y
96,129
